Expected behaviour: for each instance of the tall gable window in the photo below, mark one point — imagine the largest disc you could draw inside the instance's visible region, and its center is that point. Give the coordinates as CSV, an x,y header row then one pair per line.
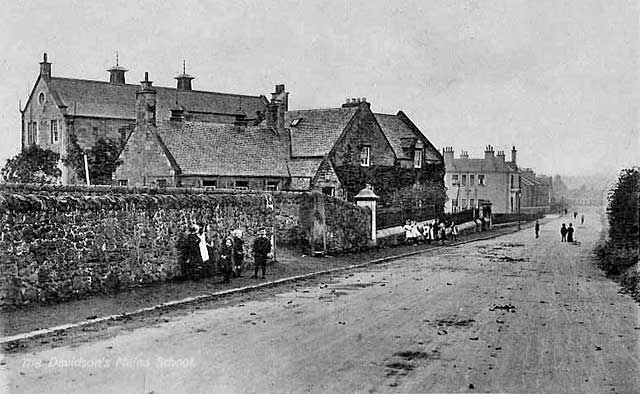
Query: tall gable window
x,y
55,137
417,158
365,156
32,133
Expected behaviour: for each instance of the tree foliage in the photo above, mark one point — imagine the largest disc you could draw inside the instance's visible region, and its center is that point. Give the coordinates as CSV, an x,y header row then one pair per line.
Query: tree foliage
x,y
32,165
624,202
102,158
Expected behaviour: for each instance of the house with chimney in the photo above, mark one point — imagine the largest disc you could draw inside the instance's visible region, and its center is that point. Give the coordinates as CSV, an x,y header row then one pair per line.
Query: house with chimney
x,y
61,109
470,182
332,150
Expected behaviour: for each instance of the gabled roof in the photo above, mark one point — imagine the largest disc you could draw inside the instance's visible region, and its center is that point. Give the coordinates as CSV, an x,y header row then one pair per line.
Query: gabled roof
x,y
532,180
317,130
306,168
200,148
401,135
107,100
480,165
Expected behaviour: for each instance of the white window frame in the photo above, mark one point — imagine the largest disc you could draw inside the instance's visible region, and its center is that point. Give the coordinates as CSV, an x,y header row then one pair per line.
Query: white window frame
x,y
472,180
455,179
417,158
483,181
365,156
123,182
464,180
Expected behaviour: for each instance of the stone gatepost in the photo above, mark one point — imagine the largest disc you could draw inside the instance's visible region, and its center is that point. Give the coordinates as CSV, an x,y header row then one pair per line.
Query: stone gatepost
x,y
367,198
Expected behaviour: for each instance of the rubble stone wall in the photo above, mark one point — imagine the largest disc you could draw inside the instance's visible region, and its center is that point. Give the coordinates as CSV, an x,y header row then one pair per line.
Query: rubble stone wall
x,y
59,243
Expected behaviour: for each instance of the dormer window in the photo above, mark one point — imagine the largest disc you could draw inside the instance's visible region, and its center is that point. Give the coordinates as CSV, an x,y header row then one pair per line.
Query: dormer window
x,y
417,158
365,156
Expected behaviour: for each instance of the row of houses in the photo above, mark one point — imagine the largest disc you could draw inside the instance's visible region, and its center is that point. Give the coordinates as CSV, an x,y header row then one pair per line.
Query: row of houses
x,y
185,137
495,182
192,138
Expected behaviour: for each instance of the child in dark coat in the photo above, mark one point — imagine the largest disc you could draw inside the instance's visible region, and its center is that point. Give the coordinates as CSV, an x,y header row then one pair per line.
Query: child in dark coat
x,y
261,250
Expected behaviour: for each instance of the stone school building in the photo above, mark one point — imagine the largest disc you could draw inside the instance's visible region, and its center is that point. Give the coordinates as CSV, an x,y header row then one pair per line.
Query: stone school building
x,y
190,138
59,107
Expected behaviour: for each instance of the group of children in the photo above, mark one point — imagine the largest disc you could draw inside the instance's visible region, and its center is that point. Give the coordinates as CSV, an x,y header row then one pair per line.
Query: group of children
x,y
436,231
198,255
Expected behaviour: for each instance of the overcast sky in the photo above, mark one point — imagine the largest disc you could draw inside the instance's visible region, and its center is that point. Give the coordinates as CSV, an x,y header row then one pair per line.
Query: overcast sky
x,y
558,79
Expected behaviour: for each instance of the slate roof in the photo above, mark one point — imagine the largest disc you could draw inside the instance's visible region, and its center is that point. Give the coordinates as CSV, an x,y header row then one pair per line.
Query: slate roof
x,y
479,165
396,131
304,167
318,130
530,180
103,99
200,148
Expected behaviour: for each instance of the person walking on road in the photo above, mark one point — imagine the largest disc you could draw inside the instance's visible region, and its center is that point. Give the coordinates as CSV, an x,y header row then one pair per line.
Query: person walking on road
x,y
261,249
570,233
537,229
563,232
582,219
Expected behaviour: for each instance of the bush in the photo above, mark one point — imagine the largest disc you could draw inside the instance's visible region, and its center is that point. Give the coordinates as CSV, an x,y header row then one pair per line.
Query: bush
x,y
615,260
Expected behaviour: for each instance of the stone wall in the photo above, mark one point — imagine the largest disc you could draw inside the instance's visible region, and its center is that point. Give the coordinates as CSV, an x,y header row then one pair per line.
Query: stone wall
x,y
58,243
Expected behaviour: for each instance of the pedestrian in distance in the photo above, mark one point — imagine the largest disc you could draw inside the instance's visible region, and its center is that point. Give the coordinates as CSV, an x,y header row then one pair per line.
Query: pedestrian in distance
x,y
428,233
563,232
537,229
415,232
226,259
582,219
238,253
442,232
261,250
454,231
575,215
408,234
570,233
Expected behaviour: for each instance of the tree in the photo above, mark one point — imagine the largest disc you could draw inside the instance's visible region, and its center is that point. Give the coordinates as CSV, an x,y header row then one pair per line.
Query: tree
x,y
624,203
102,158
32,165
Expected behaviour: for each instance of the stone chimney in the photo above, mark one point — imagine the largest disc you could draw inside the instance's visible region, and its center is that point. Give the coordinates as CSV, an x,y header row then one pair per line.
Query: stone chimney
x,y
513,154
464,154
275,115
282,96
447,152
488,152
45,68
500,155
146,102
356,102
116,73
184,79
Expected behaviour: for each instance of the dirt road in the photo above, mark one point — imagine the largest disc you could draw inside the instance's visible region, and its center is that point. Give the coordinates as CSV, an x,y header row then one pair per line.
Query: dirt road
x,y
514,314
